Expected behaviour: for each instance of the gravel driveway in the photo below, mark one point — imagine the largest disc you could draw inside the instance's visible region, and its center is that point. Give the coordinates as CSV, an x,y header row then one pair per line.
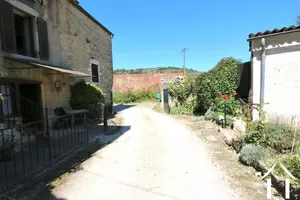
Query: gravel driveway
x,y
158,158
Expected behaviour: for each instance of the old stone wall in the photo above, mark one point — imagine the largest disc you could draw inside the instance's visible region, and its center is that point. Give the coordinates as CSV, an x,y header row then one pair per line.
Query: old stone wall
x,y
81,40
74,39
125,82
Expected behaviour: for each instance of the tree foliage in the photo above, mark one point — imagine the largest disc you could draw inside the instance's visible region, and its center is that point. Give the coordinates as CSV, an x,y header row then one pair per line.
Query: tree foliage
x,y
298,20
223,79
181,90
1,97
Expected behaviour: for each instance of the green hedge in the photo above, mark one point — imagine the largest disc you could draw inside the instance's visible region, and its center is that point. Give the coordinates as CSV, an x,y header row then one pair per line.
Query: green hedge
x,y
85,95
223,79
136,96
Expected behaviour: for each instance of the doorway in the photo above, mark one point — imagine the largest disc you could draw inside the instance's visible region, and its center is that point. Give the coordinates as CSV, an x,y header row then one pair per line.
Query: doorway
x,y
30,102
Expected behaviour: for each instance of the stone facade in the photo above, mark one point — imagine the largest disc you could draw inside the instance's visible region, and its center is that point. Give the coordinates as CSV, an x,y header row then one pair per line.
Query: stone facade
x,y
282,72
81,40
74,39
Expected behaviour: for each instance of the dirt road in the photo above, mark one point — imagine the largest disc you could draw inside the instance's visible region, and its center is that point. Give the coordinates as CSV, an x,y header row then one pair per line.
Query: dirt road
x,y
157,158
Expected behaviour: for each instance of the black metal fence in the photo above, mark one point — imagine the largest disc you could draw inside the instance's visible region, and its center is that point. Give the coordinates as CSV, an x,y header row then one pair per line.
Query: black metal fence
x,y
28,149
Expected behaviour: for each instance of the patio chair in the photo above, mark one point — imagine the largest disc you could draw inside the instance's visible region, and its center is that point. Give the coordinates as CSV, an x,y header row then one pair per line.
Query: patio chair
x,y
62,119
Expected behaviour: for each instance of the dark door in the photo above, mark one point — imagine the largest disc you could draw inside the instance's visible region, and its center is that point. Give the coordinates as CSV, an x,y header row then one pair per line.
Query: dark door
x,y
31,104
166,100
166,95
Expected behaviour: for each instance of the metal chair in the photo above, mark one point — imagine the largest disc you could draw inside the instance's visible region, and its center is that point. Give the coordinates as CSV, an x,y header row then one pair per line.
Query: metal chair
x,y
60,113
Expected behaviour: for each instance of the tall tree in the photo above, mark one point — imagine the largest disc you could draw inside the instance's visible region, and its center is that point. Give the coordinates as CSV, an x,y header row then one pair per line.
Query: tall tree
x,y
298,20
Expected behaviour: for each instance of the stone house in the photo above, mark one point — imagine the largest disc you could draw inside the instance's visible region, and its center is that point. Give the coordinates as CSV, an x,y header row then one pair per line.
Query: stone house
x,y
275,71
46,46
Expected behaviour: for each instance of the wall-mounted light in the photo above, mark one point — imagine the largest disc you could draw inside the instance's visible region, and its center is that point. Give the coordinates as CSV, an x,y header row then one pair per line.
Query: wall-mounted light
x,y
57,84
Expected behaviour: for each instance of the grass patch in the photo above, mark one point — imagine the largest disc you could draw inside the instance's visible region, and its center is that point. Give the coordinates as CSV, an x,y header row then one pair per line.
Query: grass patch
x,y
130,96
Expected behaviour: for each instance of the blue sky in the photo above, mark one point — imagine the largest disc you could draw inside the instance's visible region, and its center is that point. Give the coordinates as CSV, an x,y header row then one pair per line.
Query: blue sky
x,y
153,33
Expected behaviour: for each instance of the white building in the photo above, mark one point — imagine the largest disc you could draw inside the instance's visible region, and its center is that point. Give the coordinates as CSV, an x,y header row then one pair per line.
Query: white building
x,y
275,77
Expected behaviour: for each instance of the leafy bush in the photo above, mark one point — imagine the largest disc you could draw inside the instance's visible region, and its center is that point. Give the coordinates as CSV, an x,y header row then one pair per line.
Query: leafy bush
x,y
180,91
256,134
85,95
251,153
181,110
231,101
131,96
280,136
223,78
292,163
209,115
191,106
1,97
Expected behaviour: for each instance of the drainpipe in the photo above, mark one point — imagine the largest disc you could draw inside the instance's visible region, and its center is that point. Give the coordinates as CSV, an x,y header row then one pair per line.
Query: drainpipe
x,y
262,73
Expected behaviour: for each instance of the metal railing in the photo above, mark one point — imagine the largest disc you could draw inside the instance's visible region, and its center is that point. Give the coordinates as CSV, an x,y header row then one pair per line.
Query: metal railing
x,y
27,149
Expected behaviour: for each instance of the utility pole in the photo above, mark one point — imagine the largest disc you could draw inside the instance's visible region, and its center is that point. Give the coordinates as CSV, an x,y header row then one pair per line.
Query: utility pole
x,y
184,61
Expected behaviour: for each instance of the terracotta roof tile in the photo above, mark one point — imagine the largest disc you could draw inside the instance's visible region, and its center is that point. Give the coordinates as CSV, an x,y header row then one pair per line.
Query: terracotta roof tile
x,y
267,32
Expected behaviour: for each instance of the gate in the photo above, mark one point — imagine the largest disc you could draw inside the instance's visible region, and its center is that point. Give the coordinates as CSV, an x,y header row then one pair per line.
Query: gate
x,y
27,149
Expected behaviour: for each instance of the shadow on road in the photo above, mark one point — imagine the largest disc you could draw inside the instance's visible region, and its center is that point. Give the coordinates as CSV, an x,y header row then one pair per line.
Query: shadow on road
x,y
44,185
121,107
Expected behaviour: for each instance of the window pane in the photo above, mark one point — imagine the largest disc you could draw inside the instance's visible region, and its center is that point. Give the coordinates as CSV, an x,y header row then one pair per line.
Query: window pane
x,y
95,73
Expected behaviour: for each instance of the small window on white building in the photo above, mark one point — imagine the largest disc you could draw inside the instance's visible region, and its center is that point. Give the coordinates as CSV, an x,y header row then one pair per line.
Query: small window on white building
x,y
95,71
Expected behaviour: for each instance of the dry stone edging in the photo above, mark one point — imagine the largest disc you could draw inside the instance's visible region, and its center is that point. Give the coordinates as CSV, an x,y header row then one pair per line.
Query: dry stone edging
x,y
231,138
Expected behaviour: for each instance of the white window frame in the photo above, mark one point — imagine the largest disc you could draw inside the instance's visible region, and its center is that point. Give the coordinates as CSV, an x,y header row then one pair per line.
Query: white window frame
x,y
95,62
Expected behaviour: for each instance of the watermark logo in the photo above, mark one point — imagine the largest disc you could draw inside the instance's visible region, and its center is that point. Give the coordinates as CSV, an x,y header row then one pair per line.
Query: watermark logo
x,y
287,181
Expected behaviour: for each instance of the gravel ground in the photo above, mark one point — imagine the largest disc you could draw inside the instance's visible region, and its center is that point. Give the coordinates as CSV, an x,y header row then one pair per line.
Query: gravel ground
x,y
157,158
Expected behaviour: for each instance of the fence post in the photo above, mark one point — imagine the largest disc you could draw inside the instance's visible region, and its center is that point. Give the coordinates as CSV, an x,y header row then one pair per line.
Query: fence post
x,y
224,123
48,134
86,126
105,116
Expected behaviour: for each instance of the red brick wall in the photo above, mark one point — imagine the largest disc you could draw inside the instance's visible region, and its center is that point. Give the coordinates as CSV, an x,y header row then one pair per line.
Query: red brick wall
x,y
135,82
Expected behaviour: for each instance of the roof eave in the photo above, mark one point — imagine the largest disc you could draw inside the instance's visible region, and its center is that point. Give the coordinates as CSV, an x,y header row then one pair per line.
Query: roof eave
x,y
91,17
272,34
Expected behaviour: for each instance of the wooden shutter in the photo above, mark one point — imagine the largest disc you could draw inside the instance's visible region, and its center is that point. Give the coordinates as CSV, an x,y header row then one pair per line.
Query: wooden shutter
x,y
8,42
43,39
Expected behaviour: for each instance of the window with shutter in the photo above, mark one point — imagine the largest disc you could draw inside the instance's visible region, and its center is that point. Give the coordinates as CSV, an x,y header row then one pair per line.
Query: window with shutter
x,y
43,39
95,73
8,43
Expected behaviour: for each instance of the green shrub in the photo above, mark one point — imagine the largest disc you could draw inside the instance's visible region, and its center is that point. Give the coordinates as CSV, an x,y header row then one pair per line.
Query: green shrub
x,y
180,91
292,164
1,97
85,95
131,96
223,79
209,114
257,135
280,136
117,97
181,110
251,153
232,104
